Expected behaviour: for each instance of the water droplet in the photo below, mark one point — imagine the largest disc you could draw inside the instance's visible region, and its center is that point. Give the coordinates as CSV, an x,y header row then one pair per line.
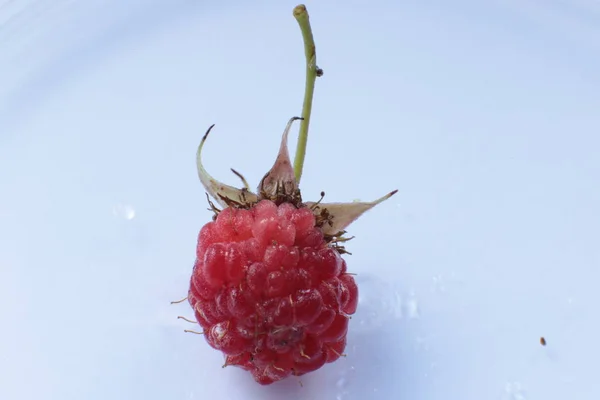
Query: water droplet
x,y
513,391
412,307
341,386
343,383
396,305
438,283
124,211
378,302
421,343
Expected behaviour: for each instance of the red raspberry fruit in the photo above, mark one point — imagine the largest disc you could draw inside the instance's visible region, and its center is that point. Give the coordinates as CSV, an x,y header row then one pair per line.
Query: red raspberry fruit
x,y
269,286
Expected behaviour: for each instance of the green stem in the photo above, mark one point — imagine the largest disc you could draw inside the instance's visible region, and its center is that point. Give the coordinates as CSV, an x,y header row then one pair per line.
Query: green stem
x,y
312,72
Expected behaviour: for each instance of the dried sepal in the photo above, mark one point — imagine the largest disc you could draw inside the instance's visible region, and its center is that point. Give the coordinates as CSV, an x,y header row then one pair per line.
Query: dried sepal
x,y
224,194
244,181
335,217
279,184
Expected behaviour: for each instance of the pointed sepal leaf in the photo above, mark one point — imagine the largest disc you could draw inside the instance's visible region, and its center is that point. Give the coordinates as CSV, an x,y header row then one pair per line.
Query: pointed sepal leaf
x,y
337,216
279,184
223,194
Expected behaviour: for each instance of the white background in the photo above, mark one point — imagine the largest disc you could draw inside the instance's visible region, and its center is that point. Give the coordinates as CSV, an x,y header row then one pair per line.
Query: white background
x,y
483,114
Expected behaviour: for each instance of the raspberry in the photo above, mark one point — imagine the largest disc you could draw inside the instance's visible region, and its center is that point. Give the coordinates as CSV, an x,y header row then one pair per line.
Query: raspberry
x,y
269,286
294,291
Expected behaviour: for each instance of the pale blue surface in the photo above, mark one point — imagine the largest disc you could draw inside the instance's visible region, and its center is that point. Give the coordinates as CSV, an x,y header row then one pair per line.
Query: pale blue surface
x,y
483,114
